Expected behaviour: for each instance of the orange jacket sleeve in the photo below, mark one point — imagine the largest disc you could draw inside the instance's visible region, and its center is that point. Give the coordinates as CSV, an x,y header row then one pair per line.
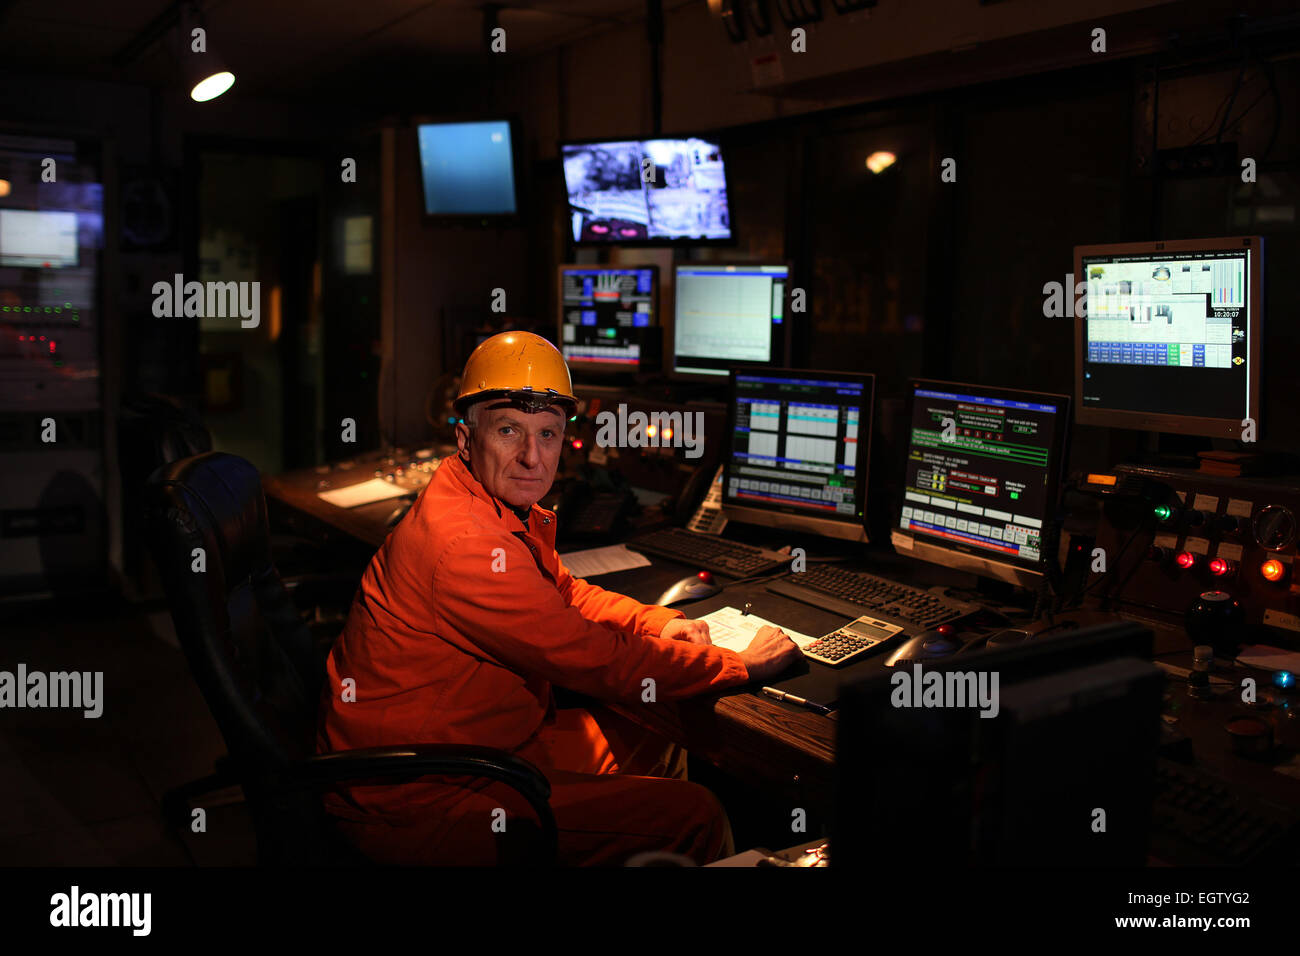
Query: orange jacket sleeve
x,y
616,610
517,617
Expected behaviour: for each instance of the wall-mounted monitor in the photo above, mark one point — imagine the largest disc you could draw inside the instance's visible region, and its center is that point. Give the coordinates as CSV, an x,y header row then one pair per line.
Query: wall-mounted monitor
x,y
468,168
1171,335
647,191
38,239
609,318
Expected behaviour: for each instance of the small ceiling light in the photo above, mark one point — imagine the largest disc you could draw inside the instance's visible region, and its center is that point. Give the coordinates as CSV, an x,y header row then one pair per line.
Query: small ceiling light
x,y
205,74
880,160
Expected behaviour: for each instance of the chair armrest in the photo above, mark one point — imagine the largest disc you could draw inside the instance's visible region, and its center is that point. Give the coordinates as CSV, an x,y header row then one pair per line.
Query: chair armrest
x,y
419,760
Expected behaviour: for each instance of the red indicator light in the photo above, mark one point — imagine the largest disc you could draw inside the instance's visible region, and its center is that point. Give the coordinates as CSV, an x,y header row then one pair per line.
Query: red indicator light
x,y
577,444
51,346
1186,560
1221,568
706,577
600,230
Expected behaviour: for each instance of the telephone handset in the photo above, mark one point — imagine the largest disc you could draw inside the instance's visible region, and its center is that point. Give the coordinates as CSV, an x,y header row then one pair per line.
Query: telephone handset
x,y
708,518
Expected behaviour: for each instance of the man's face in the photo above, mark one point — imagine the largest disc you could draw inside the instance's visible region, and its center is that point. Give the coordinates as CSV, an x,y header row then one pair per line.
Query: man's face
x,y
512,452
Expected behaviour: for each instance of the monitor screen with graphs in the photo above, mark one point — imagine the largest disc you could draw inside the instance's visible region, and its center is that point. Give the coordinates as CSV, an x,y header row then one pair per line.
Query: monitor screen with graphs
x,y
982,476
729,315
799,451
1169,335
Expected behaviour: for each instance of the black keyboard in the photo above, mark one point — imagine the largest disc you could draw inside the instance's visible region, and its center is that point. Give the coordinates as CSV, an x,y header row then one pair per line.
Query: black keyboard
x,y
709,552
855,593
1199,820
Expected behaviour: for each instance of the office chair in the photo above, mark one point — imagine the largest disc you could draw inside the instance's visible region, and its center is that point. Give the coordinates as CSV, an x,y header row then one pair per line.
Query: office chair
x,y
261,673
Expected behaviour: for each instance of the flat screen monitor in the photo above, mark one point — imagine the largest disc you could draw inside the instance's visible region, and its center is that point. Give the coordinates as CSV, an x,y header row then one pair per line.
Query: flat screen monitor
x,y
38,239
728,316
799,450
1171,335
648,191
468,169
982,477
607,315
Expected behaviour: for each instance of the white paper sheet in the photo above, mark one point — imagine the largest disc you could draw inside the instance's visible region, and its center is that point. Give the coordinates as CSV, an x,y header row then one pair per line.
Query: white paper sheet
x,y
363,493
730,628
594,561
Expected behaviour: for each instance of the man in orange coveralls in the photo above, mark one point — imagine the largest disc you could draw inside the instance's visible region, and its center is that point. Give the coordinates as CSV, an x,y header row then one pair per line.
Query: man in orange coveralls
x,y
466,617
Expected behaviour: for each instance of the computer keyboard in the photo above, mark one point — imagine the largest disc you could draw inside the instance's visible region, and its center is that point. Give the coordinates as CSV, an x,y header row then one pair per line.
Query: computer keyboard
x,y
854,593
1199,820
709,552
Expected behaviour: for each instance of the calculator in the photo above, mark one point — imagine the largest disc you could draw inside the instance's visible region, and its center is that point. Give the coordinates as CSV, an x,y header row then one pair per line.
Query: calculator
x,y
852,642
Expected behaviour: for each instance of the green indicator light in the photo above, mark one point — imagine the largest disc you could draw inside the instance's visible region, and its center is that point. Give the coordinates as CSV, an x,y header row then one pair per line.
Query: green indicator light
x,y
57,310
47,308
363,374
67,305
58,363
27,308
1162,512
6,308
1015,494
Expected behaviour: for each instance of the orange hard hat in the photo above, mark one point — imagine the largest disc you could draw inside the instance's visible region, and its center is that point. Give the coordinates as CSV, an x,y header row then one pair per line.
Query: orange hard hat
x,y
519,366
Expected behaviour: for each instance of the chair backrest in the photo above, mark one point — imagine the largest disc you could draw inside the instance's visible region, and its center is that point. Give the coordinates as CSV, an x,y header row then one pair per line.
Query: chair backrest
x,y
249,651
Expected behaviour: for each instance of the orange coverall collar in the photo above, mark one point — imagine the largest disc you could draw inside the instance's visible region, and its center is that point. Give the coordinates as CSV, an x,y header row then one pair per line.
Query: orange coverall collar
x,y
465,478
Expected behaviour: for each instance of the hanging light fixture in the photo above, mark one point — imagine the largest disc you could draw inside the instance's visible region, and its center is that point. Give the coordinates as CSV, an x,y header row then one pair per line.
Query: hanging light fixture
x,y
205,73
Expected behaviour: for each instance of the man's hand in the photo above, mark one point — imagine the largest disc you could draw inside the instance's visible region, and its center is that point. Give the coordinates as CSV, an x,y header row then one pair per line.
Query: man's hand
x,y
769,653
680,629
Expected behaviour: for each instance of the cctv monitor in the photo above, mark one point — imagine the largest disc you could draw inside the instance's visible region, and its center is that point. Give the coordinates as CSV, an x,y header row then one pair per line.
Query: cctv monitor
x,y
982,478
799,450
1171,335
647,191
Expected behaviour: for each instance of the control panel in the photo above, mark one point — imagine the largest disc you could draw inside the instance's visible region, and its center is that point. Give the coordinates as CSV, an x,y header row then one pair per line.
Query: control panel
x,y
1168,535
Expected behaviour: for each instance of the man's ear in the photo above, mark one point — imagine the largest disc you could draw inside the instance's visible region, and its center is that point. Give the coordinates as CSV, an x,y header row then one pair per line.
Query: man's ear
x,y
462,440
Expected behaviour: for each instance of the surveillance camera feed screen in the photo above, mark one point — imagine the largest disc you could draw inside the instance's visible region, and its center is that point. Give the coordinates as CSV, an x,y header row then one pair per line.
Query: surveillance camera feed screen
x,y
647,190
468,169
1167,333
979,470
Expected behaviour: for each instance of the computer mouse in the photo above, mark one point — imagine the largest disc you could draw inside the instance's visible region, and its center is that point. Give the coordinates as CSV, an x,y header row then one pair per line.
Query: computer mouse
x,y
692,588
928,646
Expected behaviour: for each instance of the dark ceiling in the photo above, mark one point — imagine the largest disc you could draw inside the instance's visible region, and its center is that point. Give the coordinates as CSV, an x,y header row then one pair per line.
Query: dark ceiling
x,y
291,48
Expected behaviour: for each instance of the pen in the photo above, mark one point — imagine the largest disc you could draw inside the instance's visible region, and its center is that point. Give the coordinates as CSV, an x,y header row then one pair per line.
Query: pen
x,y
792,699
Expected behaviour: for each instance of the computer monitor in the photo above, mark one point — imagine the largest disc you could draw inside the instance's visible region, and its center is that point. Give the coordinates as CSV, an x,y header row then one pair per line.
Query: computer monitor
x,y
647,191
609,317
38,239
1073,727
468,169
1172,335
728,316
982,478
799,450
